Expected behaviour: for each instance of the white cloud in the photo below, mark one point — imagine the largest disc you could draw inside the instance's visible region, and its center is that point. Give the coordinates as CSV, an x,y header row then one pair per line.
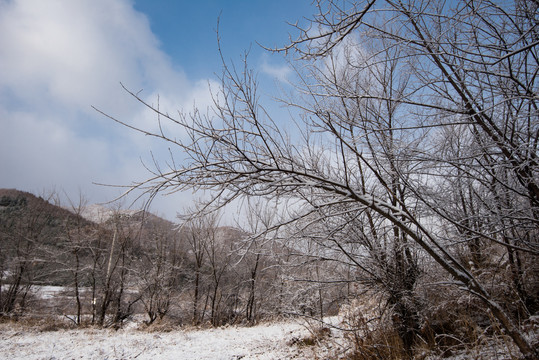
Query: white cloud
x,y
280,72
57,58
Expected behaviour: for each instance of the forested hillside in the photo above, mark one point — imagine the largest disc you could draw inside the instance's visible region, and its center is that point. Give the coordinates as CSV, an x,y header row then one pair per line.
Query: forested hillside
x,y
132,262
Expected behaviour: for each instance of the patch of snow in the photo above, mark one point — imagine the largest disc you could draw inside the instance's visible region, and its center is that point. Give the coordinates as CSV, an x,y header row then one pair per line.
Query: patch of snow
x,y
48,291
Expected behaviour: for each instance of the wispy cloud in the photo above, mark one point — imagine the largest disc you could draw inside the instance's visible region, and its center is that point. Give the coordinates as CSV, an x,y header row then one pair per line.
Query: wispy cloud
x,y
281,72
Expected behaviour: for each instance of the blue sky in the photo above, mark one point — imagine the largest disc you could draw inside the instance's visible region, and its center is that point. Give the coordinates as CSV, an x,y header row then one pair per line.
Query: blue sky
x,y
60,57
187,29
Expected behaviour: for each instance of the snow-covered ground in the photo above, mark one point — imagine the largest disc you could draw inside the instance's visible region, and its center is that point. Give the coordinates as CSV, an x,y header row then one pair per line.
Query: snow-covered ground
x,y
279,340
267,341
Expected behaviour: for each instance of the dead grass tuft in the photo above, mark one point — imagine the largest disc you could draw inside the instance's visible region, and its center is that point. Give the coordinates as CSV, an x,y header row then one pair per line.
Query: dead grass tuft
x,y
163,325
315,337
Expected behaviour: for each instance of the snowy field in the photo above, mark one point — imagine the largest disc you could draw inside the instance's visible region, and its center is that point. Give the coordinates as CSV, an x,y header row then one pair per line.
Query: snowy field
x,y
280,340
269,341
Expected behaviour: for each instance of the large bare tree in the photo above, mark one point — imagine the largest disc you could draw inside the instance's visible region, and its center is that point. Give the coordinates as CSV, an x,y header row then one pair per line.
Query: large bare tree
x,y
418,123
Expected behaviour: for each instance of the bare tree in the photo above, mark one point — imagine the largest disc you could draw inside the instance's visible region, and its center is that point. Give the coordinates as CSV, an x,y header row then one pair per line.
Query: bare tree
x,y
114,270
79,234
255,252
384,81
198,230
157,269
27,227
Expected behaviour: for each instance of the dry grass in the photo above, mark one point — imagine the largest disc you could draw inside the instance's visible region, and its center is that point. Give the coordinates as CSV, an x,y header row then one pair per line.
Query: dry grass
x,y
374,339
454,325
316,336
37,323
161,325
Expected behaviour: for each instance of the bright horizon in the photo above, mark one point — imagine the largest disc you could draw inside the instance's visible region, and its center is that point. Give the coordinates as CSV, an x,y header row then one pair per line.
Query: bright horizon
x,y
60,58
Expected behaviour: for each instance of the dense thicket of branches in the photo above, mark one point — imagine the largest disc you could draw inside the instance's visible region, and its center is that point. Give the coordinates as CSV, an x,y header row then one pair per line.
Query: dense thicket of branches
x,y
416,144
130,263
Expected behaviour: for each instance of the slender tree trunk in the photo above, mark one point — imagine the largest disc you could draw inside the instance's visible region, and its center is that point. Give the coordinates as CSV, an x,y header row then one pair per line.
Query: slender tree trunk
x,y
195,299
77,293
252,287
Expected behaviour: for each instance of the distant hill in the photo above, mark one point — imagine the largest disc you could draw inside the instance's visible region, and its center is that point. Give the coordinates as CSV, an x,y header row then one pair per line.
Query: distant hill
x,y
37,235
101,214
25,203
24,216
